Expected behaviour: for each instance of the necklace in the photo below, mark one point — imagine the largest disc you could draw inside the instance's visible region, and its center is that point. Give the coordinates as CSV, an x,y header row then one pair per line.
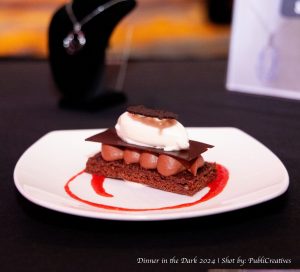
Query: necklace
x,y
268,57
76,40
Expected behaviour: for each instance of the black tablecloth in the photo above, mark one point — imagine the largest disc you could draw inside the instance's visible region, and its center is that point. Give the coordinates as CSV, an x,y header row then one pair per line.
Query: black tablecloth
x,y
37,239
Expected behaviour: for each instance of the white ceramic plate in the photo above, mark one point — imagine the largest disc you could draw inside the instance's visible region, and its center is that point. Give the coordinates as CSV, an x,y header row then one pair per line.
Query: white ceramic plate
x,y
255,175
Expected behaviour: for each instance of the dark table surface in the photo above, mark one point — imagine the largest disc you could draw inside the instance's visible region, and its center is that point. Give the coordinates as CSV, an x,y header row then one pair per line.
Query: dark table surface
x,y
37,239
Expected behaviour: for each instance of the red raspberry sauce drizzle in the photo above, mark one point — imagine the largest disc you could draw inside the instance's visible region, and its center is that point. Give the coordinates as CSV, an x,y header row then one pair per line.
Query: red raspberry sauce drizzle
x,y
97,184
216,187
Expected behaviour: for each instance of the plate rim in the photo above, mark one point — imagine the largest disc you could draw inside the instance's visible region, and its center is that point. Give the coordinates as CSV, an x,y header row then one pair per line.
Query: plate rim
x,y
151,215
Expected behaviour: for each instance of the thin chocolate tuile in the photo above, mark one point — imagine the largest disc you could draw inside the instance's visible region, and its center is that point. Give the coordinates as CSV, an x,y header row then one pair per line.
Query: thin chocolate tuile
x,y
110,137
156,113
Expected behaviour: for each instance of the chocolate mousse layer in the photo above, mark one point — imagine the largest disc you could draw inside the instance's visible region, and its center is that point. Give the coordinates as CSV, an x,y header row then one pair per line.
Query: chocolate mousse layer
x,y
164,164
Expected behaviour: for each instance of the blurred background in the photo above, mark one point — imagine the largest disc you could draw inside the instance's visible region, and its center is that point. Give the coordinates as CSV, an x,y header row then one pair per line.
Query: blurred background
x,y
169,29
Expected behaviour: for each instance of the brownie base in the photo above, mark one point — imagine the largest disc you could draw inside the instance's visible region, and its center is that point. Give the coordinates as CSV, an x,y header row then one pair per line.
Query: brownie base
x,y
182,183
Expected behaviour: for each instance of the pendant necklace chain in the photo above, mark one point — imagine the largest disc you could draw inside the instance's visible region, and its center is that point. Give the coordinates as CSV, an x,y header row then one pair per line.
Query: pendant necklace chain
x,y
268,57
76,40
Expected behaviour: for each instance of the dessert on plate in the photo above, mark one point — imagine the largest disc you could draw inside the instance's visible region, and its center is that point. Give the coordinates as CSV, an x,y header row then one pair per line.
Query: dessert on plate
x,y
151,147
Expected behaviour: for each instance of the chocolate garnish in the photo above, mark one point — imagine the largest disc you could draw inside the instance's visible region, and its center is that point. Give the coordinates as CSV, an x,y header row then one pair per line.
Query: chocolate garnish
x,y
160,114
110,137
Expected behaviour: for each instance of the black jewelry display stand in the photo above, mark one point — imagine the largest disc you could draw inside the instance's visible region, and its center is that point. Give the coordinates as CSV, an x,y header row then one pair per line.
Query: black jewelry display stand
x,y
79,77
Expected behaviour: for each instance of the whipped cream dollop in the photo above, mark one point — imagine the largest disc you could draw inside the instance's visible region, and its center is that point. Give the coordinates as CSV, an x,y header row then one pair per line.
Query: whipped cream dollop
x,y
166,134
